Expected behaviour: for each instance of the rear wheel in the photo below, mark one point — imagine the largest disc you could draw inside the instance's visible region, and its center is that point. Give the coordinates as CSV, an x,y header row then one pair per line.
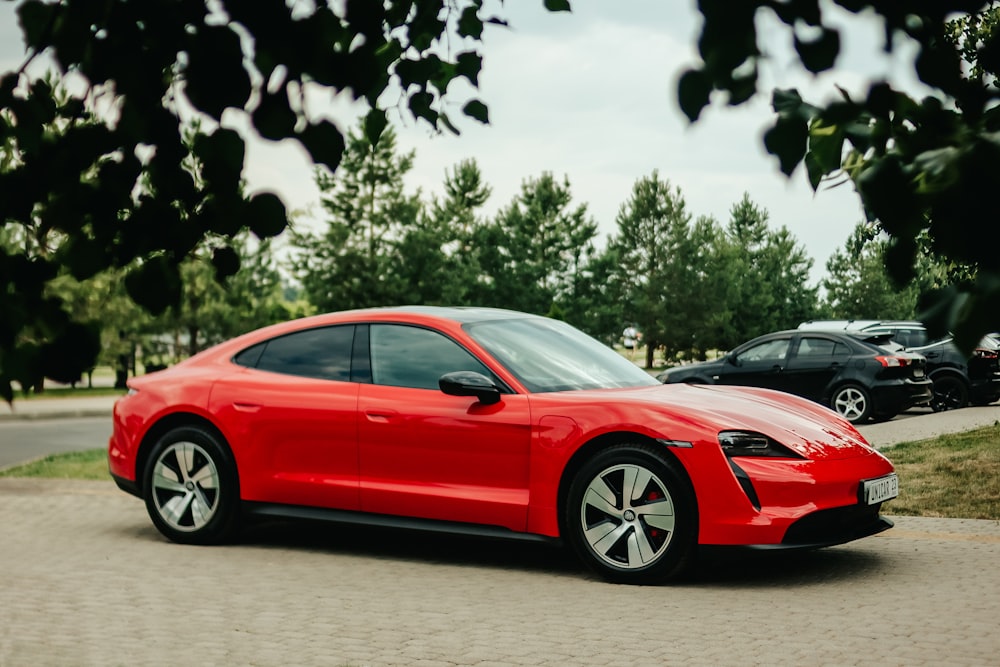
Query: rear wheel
x,y
852,402
191,487
950,393
631,515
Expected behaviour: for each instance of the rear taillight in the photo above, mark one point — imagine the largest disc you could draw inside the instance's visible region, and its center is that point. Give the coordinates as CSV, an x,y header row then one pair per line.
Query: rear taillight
x,y
893,362
980,353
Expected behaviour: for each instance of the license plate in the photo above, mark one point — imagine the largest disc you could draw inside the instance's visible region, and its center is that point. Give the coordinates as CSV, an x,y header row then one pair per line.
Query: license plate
x,y
879,490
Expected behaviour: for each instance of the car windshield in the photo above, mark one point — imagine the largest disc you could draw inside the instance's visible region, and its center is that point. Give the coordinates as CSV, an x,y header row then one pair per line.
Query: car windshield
x,y
548,355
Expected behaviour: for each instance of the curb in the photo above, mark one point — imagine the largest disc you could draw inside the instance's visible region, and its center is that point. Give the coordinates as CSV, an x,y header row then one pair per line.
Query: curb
x,y
59,414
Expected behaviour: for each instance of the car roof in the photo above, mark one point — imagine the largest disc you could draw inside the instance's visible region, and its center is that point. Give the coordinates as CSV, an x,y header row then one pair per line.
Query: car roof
x,y
858,325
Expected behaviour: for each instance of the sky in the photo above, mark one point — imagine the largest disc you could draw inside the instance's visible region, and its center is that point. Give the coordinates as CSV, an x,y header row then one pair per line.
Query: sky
x,y
591,96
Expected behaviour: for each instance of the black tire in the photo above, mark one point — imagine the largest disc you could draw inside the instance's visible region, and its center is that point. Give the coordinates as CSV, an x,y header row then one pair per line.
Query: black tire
x,y
631,515
191,487
852,402
950,393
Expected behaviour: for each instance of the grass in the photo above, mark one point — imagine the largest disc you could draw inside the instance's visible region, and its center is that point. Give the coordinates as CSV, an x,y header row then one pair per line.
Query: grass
x,y
89,464
954,476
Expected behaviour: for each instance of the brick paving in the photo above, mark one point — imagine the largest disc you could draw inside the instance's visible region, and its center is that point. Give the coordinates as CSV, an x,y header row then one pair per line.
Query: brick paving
x,y
88,581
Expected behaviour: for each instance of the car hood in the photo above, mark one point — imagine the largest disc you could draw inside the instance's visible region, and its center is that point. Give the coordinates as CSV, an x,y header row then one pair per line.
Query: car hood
x,y
803,426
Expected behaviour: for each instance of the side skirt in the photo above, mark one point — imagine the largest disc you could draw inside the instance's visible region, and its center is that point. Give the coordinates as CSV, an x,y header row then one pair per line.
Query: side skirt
x,y
271,510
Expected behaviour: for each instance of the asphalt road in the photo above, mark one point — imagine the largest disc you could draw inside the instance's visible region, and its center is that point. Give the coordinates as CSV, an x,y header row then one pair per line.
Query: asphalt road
x,y
29,439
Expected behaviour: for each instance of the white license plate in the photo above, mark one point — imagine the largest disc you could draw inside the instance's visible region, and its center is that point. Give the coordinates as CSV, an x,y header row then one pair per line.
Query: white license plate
x,y
879,490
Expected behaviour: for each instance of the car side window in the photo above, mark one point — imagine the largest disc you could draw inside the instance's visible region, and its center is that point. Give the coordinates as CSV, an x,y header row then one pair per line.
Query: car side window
x,y
323,353
821,348
772,350
407,356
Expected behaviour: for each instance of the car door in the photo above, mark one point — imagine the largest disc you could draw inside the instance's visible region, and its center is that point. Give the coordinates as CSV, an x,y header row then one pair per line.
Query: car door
x,y
814,363
760,364
294,413
426,454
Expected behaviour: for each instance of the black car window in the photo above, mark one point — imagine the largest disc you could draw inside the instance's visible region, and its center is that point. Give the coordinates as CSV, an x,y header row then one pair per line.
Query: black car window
x,y
406,356
821,348
323,353
771,350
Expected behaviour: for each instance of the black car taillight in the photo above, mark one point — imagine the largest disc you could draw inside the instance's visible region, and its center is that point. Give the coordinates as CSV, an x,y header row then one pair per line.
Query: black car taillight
x,y
750,443
981,353
892,361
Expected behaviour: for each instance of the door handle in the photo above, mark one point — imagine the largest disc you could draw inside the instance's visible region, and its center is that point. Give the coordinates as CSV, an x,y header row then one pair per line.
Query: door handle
x,y
246,407
380,416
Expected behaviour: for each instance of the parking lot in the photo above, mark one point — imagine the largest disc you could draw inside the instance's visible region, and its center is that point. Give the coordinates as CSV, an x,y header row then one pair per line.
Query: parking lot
x,y
88,581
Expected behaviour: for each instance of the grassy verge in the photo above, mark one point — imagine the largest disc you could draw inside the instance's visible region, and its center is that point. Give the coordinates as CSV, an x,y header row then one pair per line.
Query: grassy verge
x,y
89,464
955,476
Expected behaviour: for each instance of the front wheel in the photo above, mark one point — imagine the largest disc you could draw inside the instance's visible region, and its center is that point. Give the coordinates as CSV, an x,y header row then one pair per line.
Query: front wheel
x,y
191,487
852,402
631,515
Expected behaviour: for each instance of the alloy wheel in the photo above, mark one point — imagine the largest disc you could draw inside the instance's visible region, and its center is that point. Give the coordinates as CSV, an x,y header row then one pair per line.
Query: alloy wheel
x,y
185,486
627,516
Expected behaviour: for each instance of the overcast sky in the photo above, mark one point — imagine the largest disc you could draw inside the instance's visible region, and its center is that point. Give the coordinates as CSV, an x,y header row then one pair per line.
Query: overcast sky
x,y
591,96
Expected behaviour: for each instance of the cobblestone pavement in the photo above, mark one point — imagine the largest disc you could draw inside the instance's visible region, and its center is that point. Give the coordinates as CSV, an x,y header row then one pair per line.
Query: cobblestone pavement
x,y
88,581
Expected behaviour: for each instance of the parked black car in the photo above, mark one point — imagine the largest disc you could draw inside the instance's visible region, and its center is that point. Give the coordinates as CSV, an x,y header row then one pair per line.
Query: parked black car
x,y
855,377
960,379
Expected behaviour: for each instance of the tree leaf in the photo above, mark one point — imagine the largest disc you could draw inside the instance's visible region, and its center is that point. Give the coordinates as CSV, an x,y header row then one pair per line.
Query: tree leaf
x,y
478,110
693,92
155,284
557,5
787,141
324,142
266,215
375,123
819,55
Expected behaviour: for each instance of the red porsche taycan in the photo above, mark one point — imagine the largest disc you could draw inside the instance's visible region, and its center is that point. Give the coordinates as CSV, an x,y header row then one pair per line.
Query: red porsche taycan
x,y
488,422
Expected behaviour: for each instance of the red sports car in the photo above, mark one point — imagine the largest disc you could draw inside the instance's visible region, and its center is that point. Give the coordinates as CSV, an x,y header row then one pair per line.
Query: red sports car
x,y
488,422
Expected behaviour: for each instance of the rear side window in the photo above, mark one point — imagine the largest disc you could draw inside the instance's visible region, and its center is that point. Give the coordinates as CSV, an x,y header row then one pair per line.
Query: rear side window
x,y
821,348
323,353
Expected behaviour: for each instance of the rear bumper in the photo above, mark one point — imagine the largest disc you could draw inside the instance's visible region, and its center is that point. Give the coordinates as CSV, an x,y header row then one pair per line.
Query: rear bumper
x,y
901,395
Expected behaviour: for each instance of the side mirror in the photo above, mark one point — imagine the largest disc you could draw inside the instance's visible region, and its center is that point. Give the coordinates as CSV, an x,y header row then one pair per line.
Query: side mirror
x,y
470,383
732,360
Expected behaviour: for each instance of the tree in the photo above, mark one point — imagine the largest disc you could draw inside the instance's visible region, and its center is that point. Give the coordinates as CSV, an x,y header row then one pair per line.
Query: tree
x,y
146,67
439,259
926,166
355,263
857,285
770,273
532,254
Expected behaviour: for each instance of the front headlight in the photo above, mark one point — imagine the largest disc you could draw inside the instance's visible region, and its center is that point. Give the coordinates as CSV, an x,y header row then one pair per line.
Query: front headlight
x,y
750,443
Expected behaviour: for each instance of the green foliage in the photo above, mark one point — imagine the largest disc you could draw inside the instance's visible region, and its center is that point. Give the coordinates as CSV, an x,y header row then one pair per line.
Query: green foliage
x,y
533,253
924,167
354,263
115,190
695,286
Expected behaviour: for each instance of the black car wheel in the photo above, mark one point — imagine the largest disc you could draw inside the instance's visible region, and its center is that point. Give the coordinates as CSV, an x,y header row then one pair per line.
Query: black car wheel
x,y
191,487
950,393
631,515
852,402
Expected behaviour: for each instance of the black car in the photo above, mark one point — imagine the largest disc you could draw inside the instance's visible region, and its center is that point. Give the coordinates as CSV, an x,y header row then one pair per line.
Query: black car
x,y
959,378
855,377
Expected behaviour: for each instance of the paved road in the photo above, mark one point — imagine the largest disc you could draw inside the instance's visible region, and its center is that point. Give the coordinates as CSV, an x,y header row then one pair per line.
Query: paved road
x,y
88,581
22,440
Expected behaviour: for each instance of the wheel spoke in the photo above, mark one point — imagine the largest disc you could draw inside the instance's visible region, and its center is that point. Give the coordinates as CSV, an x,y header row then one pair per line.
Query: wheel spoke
x,y
165,478
636,481
206,477
640,551
604,536
173,510
659,514
600,502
